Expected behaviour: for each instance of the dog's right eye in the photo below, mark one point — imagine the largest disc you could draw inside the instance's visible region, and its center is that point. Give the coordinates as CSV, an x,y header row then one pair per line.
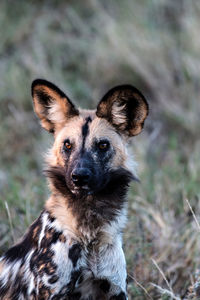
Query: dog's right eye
x,y
67,145
103,145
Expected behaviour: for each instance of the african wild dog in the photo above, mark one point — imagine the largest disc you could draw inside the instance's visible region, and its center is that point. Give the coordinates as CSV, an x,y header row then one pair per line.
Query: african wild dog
x,y
74,249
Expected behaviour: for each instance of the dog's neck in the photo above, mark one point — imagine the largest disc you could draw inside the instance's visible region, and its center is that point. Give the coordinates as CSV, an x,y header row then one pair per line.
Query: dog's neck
x,y
86,223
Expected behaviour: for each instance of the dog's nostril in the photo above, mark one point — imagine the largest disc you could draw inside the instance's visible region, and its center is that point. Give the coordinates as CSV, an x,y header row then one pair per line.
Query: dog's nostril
x,y
74,177
80,177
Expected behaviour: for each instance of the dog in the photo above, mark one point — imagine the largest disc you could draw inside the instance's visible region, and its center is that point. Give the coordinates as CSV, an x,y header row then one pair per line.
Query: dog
x,y
74,249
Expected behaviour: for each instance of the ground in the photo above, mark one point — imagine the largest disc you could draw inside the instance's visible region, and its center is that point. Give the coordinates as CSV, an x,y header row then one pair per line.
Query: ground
x,y
86,48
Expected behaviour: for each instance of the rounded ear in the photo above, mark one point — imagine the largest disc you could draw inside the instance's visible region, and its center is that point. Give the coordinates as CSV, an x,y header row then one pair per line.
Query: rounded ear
x,y
51,105
125,108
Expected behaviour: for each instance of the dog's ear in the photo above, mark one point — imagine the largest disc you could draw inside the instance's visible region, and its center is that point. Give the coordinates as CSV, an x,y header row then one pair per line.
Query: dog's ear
x,y
125,108
51,105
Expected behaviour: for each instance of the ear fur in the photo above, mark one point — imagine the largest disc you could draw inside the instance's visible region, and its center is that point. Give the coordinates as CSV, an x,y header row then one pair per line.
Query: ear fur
x,y
51,105
125,108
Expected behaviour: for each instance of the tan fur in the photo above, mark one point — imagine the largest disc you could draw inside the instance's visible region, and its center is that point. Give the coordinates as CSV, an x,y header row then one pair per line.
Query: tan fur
x,y
38,110
8,297
137,124
1,266
57,207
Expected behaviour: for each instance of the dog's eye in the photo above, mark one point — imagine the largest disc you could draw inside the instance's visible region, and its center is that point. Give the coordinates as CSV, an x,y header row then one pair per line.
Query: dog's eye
x,y
67,145
103,145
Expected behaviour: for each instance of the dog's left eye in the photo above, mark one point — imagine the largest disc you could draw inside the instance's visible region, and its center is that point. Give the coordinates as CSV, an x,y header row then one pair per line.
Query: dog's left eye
x,y
67,145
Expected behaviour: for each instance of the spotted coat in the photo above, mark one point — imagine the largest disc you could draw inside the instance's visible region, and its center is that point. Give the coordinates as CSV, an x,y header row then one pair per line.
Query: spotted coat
x,y
51,263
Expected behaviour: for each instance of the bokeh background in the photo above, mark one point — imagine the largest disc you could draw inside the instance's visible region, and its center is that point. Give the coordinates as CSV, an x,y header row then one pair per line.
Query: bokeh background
x,y
87,47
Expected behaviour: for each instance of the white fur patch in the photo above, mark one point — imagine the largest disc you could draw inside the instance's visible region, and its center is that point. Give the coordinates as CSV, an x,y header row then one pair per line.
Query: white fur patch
x,y
56,114
63,263
45,222
118,114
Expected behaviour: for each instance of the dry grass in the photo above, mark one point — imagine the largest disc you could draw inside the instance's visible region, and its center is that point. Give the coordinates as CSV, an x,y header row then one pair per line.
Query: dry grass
x,y
87,48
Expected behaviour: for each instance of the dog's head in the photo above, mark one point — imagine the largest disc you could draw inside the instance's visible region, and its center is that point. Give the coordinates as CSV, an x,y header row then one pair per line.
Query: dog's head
x,y
90,147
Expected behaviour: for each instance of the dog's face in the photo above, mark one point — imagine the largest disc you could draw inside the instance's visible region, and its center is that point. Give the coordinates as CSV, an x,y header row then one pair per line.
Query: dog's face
x,y
90,146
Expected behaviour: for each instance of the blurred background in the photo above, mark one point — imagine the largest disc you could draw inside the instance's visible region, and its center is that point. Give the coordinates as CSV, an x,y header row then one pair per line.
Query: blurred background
x,y
87,47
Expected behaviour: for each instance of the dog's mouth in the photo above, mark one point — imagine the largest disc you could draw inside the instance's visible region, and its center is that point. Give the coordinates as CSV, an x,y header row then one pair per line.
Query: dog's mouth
x,y
87,190
84,190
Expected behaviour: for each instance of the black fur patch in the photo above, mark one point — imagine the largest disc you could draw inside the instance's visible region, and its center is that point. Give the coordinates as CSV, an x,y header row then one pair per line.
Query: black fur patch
x,y
40,258
85,128
50,218
74,253
90,297
85,131
121,296
53,279
29,242
51,236
57,177
44,292
104,286
41,261
3,288
19,288
75,275
75,296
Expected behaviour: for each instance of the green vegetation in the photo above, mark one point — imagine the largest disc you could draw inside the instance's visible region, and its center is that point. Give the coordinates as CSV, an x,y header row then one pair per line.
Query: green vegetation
x,y
86,47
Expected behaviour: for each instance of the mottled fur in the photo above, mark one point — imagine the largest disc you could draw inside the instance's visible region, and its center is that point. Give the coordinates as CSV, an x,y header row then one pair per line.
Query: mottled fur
x,y
74,249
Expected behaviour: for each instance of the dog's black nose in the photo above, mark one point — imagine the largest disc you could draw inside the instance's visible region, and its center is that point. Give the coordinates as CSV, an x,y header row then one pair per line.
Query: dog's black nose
x,y
81,176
